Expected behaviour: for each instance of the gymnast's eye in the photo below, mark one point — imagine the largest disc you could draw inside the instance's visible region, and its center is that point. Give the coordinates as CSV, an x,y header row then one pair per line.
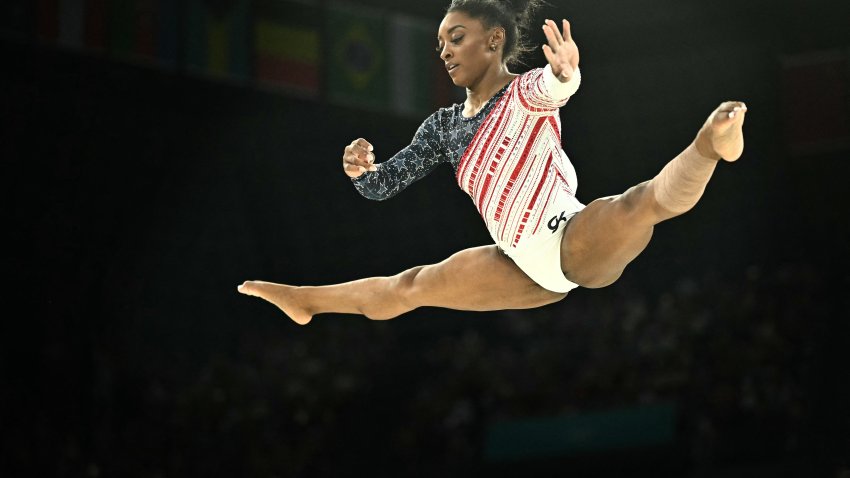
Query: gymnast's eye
x,y
457,40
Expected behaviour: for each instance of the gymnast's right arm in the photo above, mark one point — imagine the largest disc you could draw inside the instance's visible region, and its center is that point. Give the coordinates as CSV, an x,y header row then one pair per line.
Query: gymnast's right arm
x,y
385,180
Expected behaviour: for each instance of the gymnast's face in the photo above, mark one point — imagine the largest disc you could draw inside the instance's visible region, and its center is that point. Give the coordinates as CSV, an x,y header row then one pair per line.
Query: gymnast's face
x,y
464,46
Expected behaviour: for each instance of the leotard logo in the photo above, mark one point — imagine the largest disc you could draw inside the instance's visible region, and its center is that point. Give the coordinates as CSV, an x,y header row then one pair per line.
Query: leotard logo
x,y
556,221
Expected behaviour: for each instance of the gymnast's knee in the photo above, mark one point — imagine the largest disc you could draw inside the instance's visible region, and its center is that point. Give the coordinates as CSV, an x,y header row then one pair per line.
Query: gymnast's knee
x,y
638,205
397,296
406,287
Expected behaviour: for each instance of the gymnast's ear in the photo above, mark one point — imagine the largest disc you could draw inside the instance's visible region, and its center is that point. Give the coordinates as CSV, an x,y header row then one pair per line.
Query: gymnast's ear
x,y
497,36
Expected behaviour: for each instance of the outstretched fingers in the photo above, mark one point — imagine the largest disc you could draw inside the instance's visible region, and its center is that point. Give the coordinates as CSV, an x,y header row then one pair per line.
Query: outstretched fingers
x,y
555,41
560,50
553,35
567,34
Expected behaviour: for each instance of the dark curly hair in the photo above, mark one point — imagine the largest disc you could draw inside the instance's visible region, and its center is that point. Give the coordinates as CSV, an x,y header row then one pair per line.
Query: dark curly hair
x,y
512,15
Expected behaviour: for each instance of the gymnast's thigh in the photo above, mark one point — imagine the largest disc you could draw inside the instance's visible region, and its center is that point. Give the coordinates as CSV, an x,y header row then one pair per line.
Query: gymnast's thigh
x,y
601,240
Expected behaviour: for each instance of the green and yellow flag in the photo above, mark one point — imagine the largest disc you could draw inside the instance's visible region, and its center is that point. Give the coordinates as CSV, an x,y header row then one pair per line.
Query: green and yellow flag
x,y
217,40
358,50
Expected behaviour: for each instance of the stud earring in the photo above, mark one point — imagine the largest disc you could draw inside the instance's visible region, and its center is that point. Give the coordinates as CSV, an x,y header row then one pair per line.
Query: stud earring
x,y
493,46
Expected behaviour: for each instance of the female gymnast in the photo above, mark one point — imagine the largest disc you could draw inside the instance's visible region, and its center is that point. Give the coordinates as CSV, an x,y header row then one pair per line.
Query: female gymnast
x,y
504,144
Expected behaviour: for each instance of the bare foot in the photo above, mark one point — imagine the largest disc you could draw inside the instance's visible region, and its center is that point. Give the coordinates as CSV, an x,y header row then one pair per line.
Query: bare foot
x,y
280,295
722,134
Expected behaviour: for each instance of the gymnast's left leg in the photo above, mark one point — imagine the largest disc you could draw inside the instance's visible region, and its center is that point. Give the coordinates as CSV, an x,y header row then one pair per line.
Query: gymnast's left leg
x,y
602,239
476,279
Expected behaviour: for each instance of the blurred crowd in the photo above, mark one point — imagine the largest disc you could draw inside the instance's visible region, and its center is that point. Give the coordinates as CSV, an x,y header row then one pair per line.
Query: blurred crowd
x,y
738,356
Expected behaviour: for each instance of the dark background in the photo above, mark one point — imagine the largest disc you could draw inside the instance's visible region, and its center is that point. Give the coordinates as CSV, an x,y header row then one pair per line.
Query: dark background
x,y
137,200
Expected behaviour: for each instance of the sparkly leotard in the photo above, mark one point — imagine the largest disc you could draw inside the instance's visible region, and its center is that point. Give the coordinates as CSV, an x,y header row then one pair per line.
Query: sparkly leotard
x,y
441,138
508,158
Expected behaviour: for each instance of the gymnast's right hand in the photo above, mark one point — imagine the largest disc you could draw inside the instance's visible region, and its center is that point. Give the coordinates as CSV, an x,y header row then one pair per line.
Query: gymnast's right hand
x,y
358,158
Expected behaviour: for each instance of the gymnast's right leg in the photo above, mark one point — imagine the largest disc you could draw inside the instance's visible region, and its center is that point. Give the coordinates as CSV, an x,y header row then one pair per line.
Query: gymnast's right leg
x,y
476,279
603,238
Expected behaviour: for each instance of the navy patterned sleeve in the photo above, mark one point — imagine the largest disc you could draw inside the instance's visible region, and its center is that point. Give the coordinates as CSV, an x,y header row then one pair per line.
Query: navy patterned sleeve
x,y
408,165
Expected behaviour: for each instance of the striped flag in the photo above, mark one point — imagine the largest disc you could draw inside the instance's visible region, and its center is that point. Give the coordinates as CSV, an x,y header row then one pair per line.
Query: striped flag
x,y
165,33
417,73
140,30
77,24
72,23
287,48
815,100
16,17
47,20
218,37
125,29
121,28
357,72
96,26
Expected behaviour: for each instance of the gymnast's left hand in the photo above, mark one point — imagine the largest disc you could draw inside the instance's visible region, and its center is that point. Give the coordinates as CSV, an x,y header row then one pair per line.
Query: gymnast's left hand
x,y
561,51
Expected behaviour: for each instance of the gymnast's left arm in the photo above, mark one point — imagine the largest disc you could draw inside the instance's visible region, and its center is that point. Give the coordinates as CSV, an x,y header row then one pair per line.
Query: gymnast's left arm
x,y
550,87
406,167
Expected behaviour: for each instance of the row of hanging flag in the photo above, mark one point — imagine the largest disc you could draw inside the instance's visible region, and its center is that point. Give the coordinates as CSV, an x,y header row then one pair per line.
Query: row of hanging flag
x,y
351,54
